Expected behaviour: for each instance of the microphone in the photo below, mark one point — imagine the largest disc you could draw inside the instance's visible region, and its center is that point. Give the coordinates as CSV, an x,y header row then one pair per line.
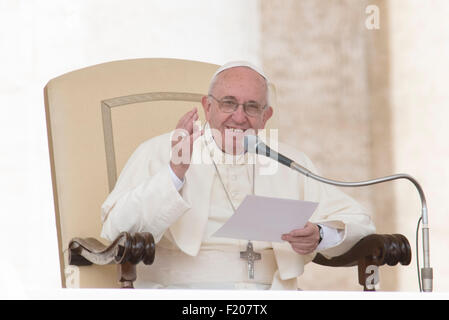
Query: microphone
x,y
253,144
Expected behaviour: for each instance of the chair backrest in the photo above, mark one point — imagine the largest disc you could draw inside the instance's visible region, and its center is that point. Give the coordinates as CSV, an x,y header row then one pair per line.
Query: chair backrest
x,y
96,117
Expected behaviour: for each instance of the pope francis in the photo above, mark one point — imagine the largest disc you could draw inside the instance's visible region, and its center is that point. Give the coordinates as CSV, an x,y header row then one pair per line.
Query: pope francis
x,y
184,185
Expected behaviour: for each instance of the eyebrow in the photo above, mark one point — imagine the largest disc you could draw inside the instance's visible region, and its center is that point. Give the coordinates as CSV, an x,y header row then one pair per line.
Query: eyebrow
x,y
234,98
229,97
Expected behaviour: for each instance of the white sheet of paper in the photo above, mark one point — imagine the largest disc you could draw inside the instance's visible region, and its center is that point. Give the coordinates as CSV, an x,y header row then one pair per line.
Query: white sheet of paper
x,y
266,219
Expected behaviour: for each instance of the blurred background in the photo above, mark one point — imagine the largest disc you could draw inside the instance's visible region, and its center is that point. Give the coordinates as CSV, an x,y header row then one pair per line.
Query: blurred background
x,y
362,89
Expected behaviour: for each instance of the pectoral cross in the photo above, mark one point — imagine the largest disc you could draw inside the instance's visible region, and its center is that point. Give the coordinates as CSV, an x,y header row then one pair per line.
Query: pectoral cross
x,y
250,255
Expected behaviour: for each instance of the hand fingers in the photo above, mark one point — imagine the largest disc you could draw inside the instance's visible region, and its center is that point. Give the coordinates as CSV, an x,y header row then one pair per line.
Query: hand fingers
x,y
303,241
308,230
189,126
300,240
189,114
187,120
303,249
185,126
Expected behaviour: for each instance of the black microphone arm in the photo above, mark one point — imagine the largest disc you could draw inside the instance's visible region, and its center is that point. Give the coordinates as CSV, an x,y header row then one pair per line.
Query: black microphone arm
x,y
254,145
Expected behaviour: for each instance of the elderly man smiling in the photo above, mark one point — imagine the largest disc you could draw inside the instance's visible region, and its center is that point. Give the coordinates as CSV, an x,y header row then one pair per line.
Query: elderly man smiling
x,y
182,202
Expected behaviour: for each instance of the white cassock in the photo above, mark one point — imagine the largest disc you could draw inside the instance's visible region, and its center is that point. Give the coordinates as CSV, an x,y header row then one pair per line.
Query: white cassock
x,y
145,199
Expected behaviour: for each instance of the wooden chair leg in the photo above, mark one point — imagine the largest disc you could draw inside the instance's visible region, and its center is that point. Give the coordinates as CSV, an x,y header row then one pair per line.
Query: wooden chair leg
x,y
127,275
368,274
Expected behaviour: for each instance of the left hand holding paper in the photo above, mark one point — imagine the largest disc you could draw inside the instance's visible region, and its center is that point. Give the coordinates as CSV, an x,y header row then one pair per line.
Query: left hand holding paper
x,y
305,240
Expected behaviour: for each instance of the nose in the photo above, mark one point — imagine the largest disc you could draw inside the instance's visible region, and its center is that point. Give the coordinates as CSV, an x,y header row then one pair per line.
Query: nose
x,y
239,115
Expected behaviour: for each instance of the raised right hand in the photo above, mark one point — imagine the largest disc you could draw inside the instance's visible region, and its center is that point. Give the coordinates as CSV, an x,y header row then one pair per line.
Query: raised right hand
x,y
182,143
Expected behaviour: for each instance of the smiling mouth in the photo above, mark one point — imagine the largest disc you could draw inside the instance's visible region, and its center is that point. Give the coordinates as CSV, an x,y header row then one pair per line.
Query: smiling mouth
x,y
234,130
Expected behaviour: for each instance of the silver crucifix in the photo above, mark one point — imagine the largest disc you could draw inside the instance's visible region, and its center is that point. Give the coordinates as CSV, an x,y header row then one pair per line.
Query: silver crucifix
x,y
250,255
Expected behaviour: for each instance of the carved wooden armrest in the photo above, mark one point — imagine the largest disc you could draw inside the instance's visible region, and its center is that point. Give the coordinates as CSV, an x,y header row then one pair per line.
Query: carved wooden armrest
x,y
126,251
372,250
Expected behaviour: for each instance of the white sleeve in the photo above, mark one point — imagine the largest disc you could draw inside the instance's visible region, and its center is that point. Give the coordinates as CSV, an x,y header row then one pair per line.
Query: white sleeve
x,y
178,183
331,237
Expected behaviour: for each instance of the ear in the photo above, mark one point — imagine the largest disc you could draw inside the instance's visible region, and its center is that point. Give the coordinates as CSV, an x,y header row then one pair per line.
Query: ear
x,y
206,106
267,115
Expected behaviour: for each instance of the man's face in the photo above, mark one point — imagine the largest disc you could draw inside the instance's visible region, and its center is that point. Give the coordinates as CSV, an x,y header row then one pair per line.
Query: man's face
x,y
244,85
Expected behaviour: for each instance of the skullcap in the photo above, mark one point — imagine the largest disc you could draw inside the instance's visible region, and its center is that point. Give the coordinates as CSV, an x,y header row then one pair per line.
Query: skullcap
x,y
234,64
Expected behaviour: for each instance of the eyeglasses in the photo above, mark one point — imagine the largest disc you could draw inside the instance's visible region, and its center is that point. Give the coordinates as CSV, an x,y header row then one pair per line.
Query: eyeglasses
x,y
229,105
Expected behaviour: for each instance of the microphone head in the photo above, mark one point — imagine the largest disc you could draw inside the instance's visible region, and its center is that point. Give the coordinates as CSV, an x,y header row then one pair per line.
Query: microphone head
x,y
251,142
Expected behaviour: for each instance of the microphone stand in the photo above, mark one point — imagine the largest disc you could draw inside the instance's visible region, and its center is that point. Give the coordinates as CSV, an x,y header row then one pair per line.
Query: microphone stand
x,y
427,272
254,145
